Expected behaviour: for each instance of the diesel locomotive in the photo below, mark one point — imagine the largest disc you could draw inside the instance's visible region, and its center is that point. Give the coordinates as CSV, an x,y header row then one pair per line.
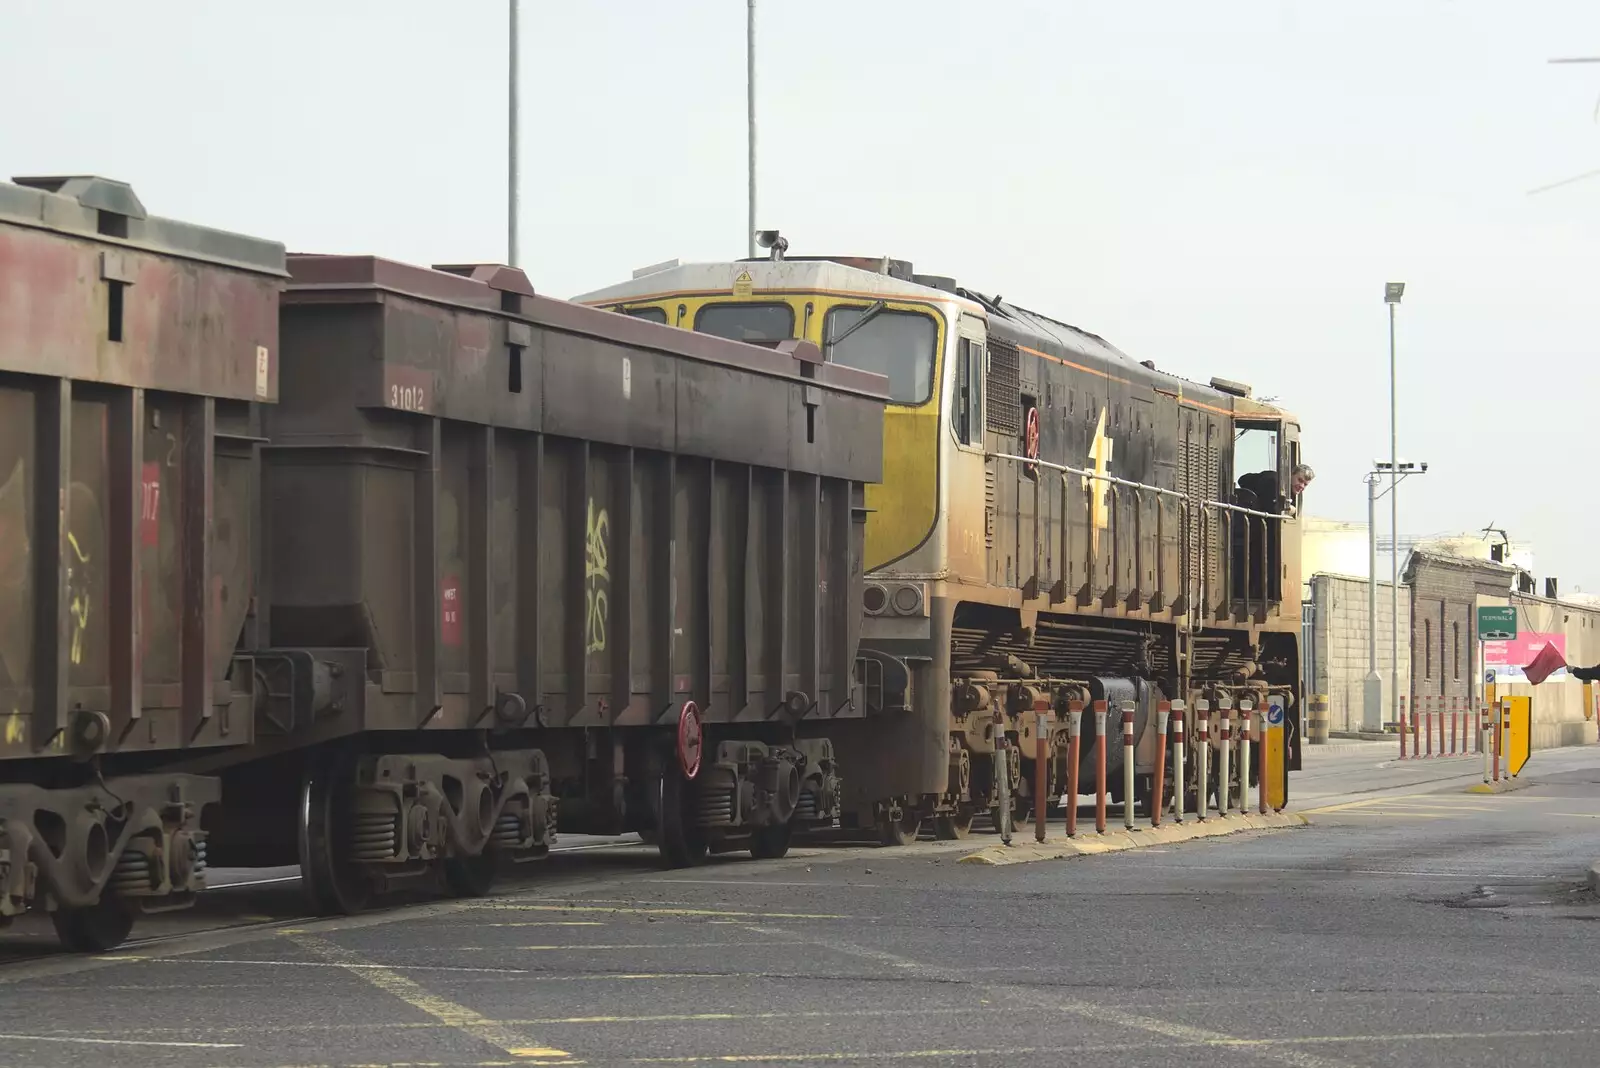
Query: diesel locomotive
x,y
1058,524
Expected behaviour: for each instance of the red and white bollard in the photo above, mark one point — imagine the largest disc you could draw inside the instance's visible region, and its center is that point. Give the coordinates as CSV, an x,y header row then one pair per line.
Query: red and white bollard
x,y
1202,768
1224,789
1261,761
1484,748
1180,742
1401,714
1041,770
1158,787
1127,764
1427,723
1245,716
1074,730
1100,767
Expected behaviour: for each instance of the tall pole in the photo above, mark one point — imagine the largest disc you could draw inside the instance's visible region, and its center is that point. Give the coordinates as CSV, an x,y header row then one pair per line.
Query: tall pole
x,y
511,150
1372,685
1394,530
750,107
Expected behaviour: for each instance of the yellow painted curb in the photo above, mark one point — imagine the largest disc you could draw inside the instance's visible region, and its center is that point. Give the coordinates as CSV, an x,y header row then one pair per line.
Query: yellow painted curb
x,y
1504,786
1026,850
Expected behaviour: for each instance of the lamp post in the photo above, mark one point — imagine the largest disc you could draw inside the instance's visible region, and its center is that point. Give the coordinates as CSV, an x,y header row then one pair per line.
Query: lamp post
x,y
511,148
1392,292
1372,685
750,119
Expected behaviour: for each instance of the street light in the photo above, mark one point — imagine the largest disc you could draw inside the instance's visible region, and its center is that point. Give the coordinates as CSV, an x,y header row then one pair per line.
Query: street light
x,y
512,160
1392,292
1372,685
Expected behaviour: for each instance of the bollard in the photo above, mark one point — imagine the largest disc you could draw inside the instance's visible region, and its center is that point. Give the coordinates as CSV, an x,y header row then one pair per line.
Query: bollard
x,y
1202,756
1427,723
1074,729
1127,764
1002,778
1456,748
1041,773
1498,714
1245,708
1483,740
1416,740
1444,703
1224,791
1401,714
1158,791
1180,740
1100,767
1261,762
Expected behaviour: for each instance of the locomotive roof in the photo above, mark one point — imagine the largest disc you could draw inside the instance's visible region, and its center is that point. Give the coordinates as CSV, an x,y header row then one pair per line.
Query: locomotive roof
x,y
884,276
108,211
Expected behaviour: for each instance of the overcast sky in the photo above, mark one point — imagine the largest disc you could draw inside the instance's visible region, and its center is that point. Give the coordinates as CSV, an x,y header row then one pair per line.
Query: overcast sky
x,y
1221,187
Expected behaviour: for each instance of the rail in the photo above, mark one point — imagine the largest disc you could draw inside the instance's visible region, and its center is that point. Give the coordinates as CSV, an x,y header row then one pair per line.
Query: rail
x,y
1207,535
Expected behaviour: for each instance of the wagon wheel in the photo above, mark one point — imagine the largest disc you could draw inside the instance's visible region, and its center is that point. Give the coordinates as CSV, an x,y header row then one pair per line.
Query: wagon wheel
x,y
899,826
954,826
333,882
97,928
771,842
470,876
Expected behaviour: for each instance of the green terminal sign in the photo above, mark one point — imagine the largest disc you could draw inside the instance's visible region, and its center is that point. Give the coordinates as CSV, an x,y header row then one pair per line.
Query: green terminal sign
x,y
1497,623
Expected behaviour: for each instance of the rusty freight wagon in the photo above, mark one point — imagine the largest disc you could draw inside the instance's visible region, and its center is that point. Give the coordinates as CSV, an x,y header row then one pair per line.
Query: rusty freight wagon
x,y
134,354
536,565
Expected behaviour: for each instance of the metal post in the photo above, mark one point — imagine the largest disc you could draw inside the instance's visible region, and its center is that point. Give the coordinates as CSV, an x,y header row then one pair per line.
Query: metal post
x,y
1483,740
1394,526
1074,730
750,105
1127,764
1179,742
512,162
1100,767
1261,761
1244,755
1202,770
1041,773
1002,779
1372,685
1224,788
1158,789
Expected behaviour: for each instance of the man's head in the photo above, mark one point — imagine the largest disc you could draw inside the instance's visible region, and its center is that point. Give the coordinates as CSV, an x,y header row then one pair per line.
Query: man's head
x,y
1302,478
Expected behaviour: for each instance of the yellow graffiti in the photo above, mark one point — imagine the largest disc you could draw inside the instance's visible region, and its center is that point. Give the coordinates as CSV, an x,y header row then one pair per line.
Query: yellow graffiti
x,y
1100,449
78,607
16,728
596,577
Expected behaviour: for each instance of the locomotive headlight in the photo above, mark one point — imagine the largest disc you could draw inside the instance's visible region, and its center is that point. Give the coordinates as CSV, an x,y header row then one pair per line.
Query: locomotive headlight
x,y
875,598
907,600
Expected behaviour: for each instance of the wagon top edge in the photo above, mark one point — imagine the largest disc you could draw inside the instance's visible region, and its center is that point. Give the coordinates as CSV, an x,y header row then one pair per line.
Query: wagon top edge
x,y
107,211
505,292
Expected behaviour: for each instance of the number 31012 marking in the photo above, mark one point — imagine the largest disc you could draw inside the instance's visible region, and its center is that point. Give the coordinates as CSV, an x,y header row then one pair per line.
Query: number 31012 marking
x,y
408,398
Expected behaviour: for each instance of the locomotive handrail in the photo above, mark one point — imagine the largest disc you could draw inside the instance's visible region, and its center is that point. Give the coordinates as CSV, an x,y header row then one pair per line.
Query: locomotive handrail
x,y
1115,481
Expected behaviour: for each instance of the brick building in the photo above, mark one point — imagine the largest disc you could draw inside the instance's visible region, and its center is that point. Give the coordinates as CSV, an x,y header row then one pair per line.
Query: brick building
x,y
1446,589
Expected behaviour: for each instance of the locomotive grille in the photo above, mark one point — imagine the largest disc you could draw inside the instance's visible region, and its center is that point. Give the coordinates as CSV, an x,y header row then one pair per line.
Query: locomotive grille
x,y
1004,403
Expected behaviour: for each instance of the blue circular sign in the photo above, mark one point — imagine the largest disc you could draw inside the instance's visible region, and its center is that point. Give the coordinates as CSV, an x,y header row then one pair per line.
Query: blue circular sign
x,y
1275,715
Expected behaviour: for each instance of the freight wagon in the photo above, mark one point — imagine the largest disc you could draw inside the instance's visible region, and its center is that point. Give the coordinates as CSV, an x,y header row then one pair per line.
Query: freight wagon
x,y
392,571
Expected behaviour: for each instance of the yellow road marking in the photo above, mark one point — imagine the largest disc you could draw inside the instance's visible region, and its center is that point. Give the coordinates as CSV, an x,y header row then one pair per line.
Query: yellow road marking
x,y
447,1012
80,1040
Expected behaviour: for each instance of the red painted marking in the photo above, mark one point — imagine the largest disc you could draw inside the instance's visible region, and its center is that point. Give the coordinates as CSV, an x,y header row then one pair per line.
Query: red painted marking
x,y
1032,439
450,611
690,739
150,504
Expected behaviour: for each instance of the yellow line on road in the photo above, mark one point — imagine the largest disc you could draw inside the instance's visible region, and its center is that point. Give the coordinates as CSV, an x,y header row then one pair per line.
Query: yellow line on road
x,y
447,1012
653,911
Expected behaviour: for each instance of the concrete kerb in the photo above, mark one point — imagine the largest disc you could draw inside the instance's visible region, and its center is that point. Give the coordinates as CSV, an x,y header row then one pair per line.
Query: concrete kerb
x,y
1594,877
1026,851
1501,786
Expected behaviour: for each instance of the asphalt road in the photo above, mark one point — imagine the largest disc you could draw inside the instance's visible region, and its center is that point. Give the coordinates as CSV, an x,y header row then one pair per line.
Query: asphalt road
x,y
1411,923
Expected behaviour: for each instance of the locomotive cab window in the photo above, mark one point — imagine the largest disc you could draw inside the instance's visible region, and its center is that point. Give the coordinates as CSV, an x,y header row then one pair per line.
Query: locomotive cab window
x,y
647,313
896,344
1259,486
746,322
966,411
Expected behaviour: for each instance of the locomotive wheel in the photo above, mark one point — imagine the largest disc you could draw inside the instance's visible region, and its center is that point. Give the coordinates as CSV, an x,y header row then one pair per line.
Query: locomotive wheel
x,y
900,832
771,842
678,836
333,882
952,827
470,876
99,928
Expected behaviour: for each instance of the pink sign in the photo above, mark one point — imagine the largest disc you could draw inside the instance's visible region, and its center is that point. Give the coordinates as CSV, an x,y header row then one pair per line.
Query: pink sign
x,y
1507,659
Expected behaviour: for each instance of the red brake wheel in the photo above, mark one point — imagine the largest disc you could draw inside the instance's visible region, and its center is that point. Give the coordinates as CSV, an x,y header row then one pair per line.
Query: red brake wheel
x,y
689,739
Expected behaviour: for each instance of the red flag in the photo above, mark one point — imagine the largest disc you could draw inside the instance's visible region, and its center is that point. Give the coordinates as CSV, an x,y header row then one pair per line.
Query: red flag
x,y
1545,664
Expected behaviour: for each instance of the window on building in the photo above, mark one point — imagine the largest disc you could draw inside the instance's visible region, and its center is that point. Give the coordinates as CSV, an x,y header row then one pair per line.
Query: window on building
x,y
1427,648
1455,648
